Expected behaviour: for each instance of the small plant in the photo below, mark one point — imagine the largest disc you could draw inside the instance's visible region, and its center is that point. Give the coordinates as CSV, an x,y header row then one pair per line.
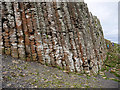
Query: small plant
x,y
19,68
25,67
58,67
116,80
104,76
44,79
9,78
117,75
46,64
77,85
47,36
88,77
107,68
103,69
36,81
87,86
21,75
79,74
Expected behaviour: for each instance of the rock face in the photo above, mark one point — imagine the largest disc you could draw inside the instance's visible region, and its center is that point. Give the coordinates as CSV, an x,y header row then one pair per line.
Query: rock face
x,y
64,35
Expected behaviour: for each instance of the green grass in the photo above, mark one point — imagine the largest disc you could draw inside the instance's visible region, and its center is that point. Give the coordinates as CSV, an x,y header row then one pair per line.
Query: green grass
x,y
112,60
87,86
34,82
117,80
107,68
25,67
58,67
88,77
21,75
77,85
103,75
117,75
44,79
18,68
9,78
46,64
103,69
47,36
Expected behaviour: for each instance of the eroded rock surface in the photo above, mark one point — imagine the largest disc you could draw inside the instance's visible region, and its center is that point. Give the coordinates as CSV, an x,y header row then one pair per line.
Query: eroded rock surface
x,y
64,35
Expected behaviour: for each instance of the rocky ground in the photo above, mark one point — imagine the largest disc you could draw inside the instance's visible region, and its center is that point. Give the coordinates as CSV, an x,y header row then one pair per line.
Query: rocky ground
x,y
21,74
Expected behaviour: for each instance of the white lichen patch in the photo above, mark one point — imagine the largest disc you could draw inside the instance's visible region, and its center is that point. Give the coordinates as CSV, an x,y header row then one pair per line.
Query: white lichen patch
x,y
27,16
18,22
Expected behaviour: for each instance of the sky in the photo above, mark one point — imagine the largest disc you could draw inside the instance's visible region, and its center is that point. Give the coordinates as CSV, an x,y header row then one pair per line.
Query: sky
x,y
107,13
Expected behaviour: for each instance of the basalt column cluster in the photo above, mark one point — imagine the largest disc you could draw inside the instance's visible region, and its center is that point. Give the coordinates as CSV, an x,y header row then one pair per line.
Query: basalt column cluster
x,y
64,35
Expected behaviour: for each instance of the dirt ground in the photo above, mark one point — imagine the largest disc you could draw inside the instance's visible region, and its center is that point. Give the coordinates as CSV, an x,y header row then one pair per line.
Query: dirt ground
x,y
21,74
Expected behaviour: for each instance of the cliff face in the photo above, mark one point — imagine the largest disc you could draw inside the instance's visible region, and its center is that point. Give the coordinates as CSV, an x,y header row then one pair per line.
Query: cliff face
x,y
64,35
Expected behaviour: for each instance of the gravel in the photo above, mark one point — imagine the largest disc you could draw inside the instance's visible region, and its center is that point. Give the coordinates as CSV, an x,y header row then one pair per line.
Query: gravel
x,y
22,74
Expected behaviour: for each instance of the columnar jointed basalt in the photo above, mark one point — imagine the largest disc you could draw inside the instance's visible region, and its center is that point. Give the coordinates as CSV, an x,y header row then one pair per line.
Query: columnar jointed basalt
x,y
64,35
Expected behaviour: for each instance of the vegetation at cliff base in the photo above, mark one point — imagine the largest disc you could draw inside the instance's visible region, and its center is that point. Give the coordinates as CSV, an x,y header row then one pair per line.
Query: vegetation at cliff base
x,y
112,62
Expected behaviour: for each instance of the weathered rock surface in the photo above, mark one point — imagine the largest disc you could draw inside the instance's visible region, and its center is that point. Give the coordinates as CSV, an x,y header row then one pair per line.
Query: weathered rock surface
x,y
64,35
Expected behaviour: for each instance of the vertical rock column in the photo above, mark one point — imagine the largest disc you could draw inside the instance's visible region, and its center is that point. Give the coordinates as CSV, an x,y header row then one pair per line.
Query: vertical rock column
x,y
32,30
42,14
25,18
56,38
5,29
12,31
39,41
38,38
95,63
99,42
20,34
1,45
92,59
64,35
87,39
70,28
31,37
81,33
102,44
64,39
1,37
51,34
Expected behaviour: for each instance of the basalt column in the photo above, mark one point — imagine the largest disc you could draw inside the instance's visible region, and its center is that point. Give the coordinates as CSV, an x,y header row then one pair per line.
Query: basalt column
x,y
58,34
